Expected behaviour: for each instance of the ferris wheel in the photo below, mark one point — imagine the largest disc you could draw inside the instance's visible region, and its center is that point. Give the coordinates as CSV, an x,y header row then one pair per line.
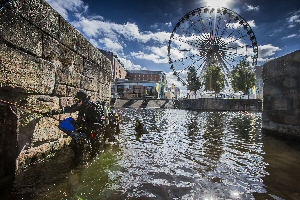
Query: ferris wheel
x,y
207,36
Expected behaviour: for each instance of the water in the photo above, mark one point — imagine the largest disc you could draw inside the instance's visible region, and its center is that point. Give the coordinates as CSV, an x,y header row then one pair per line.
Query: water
x,y
179,155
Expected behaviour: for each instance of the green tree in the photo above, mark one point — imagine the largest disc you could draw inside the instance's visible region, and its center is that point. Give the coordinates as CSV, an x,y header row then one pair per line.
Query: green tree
x,y
243,77
193,81
214,79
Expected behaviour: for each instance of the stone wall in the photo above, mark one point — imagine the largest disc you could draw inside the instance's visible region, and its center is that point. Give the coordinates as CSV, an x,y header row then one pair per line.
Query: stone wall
x,y
197,104
220,104
44,61
141,103
281,107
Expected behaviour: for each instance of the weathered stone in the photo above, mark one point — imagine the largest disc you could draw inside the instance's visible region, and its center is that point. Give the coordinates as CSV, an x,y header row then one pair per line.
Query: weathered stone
x,y
89,83
42,103
71,91
90,69
39,13
60,90
51,48
93,95
281,95
82,45
68,34
18,32
287,65
25,71
66,101
44,61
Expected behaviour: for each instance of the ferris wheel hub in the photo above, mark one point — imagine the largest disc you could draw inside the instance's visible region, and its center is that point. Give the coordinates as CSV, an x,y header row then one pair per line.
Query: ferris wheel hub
x,y
215,48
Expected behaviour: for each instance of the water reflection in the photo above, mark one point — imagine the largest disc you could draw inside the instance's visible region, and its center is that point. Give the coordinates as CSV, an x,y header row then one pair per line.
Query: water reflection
x,y
192,155
180,155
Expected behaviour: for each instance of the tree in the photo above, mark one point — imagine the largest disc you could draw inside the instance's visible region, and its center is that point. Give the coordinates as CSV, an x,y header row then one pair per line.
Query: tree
x,y
214,79
243,77
193,81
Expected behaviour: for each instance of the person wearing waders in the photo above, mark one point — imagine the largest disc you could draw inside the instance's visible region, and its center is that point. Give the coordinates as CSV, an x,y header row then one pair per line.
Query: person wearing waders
x,y
89,117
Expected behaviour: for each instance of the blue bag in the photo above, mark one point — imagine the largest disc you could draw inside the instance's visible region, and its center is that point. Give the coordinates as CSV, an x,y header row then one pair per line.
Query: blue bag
x,y
67,124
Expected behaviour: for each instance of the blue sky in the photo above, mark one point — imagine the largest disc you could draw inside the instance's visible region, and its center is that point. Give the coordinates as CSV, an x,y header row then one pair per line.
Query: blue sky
x,y
138,31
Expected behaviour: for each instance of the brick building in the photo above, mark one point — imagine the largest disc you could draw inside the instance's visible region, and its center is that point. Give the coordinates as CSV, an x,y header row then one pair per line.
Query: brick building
x,y
118,70
146,75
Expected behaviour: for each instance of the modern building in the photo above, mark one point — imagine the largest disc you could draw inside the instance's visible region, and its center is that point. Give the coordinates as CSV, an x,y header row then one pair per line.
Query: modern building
x,y
134,89
118,69
140,84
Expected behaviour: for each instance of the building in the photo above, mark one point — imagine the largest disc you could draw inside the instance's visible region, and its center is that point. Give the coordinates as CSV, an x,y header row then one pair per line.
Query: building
x,y
134,89
146,75
118,69
140,84
149,76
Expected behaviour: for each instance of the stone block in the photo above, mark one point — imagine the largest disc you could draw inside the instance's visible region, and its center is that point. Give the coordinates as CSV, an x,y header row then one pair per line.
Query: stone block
x,y
74,79
39,13
25,71
93,95
67,72
89,83
71,91
68,34
280,104
95,54
42,103
51,48
82,45
90,69
60,90
286,85
20,33
66,101
287,65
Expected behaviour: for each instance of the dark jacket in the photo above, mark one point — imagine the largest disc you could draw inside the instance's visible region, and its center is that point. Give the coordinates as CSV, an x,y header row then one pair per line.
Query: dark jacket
x,y
88,116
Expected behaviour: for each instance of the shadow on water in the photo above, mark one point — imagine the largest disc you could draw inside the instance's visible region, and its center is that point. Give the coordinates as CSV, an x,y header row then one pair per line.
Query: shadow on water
x,y
181,155
66,176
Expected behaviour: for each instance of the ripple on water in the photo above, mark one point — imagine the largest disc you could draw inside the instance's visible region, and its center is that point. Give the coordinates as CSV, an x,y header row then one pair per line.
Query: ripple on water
x,y
202,154
181,154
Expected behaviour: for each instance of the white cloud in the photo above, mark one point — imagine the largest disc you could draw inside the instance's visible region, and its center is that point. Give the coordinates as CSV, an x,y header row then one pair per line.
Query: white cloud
x,y
291,26
251,23
152,57
265,51
62,7
111,45
97,27
236,25
130,66
294,19
169,24
251,8
290,36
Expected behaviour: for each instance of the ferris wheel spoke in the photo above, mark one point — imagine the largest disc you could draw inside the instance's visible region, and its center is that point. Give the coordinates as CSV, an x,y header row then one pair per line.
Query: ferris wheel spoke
x,y
194,27
207,36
